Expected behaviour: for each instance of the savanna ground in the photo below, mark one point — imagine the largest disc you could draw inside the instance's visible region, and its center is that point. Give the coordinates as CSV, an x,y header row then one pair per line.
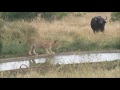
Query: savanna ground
x,y
75,35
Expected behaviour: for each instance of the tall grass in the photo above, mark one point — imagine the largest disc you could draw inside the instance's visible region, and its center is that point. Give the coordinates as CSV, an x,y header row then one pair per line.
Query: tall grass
x,y
73,31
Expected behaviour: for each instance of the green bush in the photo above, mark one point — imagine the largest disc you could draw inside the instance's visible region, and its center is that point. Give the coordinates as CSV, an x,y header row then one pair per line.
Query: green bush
x,y
115,16
18,15
14,37
2,22
1,45
83,44
31,15
17,30
78,14
13,48
53,15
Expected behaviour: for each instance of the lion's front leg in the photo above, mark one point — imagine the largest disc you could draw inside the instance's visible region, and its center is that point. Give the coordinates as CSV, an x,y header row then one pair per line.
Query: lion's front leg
x,y
33,51
50,50
47,51
30,50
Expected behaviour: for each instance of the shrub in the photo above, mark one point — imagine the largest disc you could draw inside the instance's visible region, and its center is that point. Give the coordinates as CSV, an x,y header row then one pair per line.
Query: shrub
x,y
2,23
78,13
115,16
53,15
1,45
31,15
18,15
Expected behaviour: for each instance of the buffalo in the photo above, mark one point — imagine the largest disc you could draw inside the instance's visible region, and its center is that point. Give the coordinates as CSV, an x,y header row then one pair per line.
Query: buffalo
x,y
98,24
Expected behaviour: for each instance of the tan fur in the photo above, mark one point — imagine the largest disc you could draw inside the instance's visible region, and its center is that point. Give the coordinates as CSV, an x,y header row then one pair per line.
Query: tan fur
x,y
47,45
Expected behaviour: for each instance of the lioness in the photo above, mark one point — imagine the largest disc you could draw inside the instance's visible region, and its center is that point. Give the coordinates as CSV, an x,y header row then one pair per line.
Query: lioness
x,y
47,45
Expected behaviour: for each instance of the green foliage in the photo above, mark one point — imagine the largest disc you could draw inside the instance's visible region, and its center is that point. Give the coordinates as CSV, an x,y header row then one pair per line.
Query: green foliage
x,y
53,15
13,48
31,15
17,30
78,13
114,44
83,44
11,34
1,45
18,15
2,23
115,16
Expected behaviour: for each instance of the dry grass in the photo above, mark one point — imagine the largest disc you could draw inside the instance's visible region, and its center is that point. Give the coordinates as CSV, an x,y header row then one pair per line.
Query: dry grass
x,y
79,26
74,32
86,70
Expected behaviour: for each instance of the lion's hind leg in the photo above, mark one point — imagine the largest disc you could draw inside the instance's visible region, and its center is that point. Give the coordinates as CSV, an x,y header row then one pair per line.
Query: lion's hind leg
x,y
33,50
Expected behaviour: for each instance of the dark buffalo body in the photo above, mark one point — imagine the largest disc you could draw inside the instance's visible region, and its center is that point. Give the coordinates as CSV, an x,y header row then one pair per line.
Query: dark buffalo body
x,y
98,24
